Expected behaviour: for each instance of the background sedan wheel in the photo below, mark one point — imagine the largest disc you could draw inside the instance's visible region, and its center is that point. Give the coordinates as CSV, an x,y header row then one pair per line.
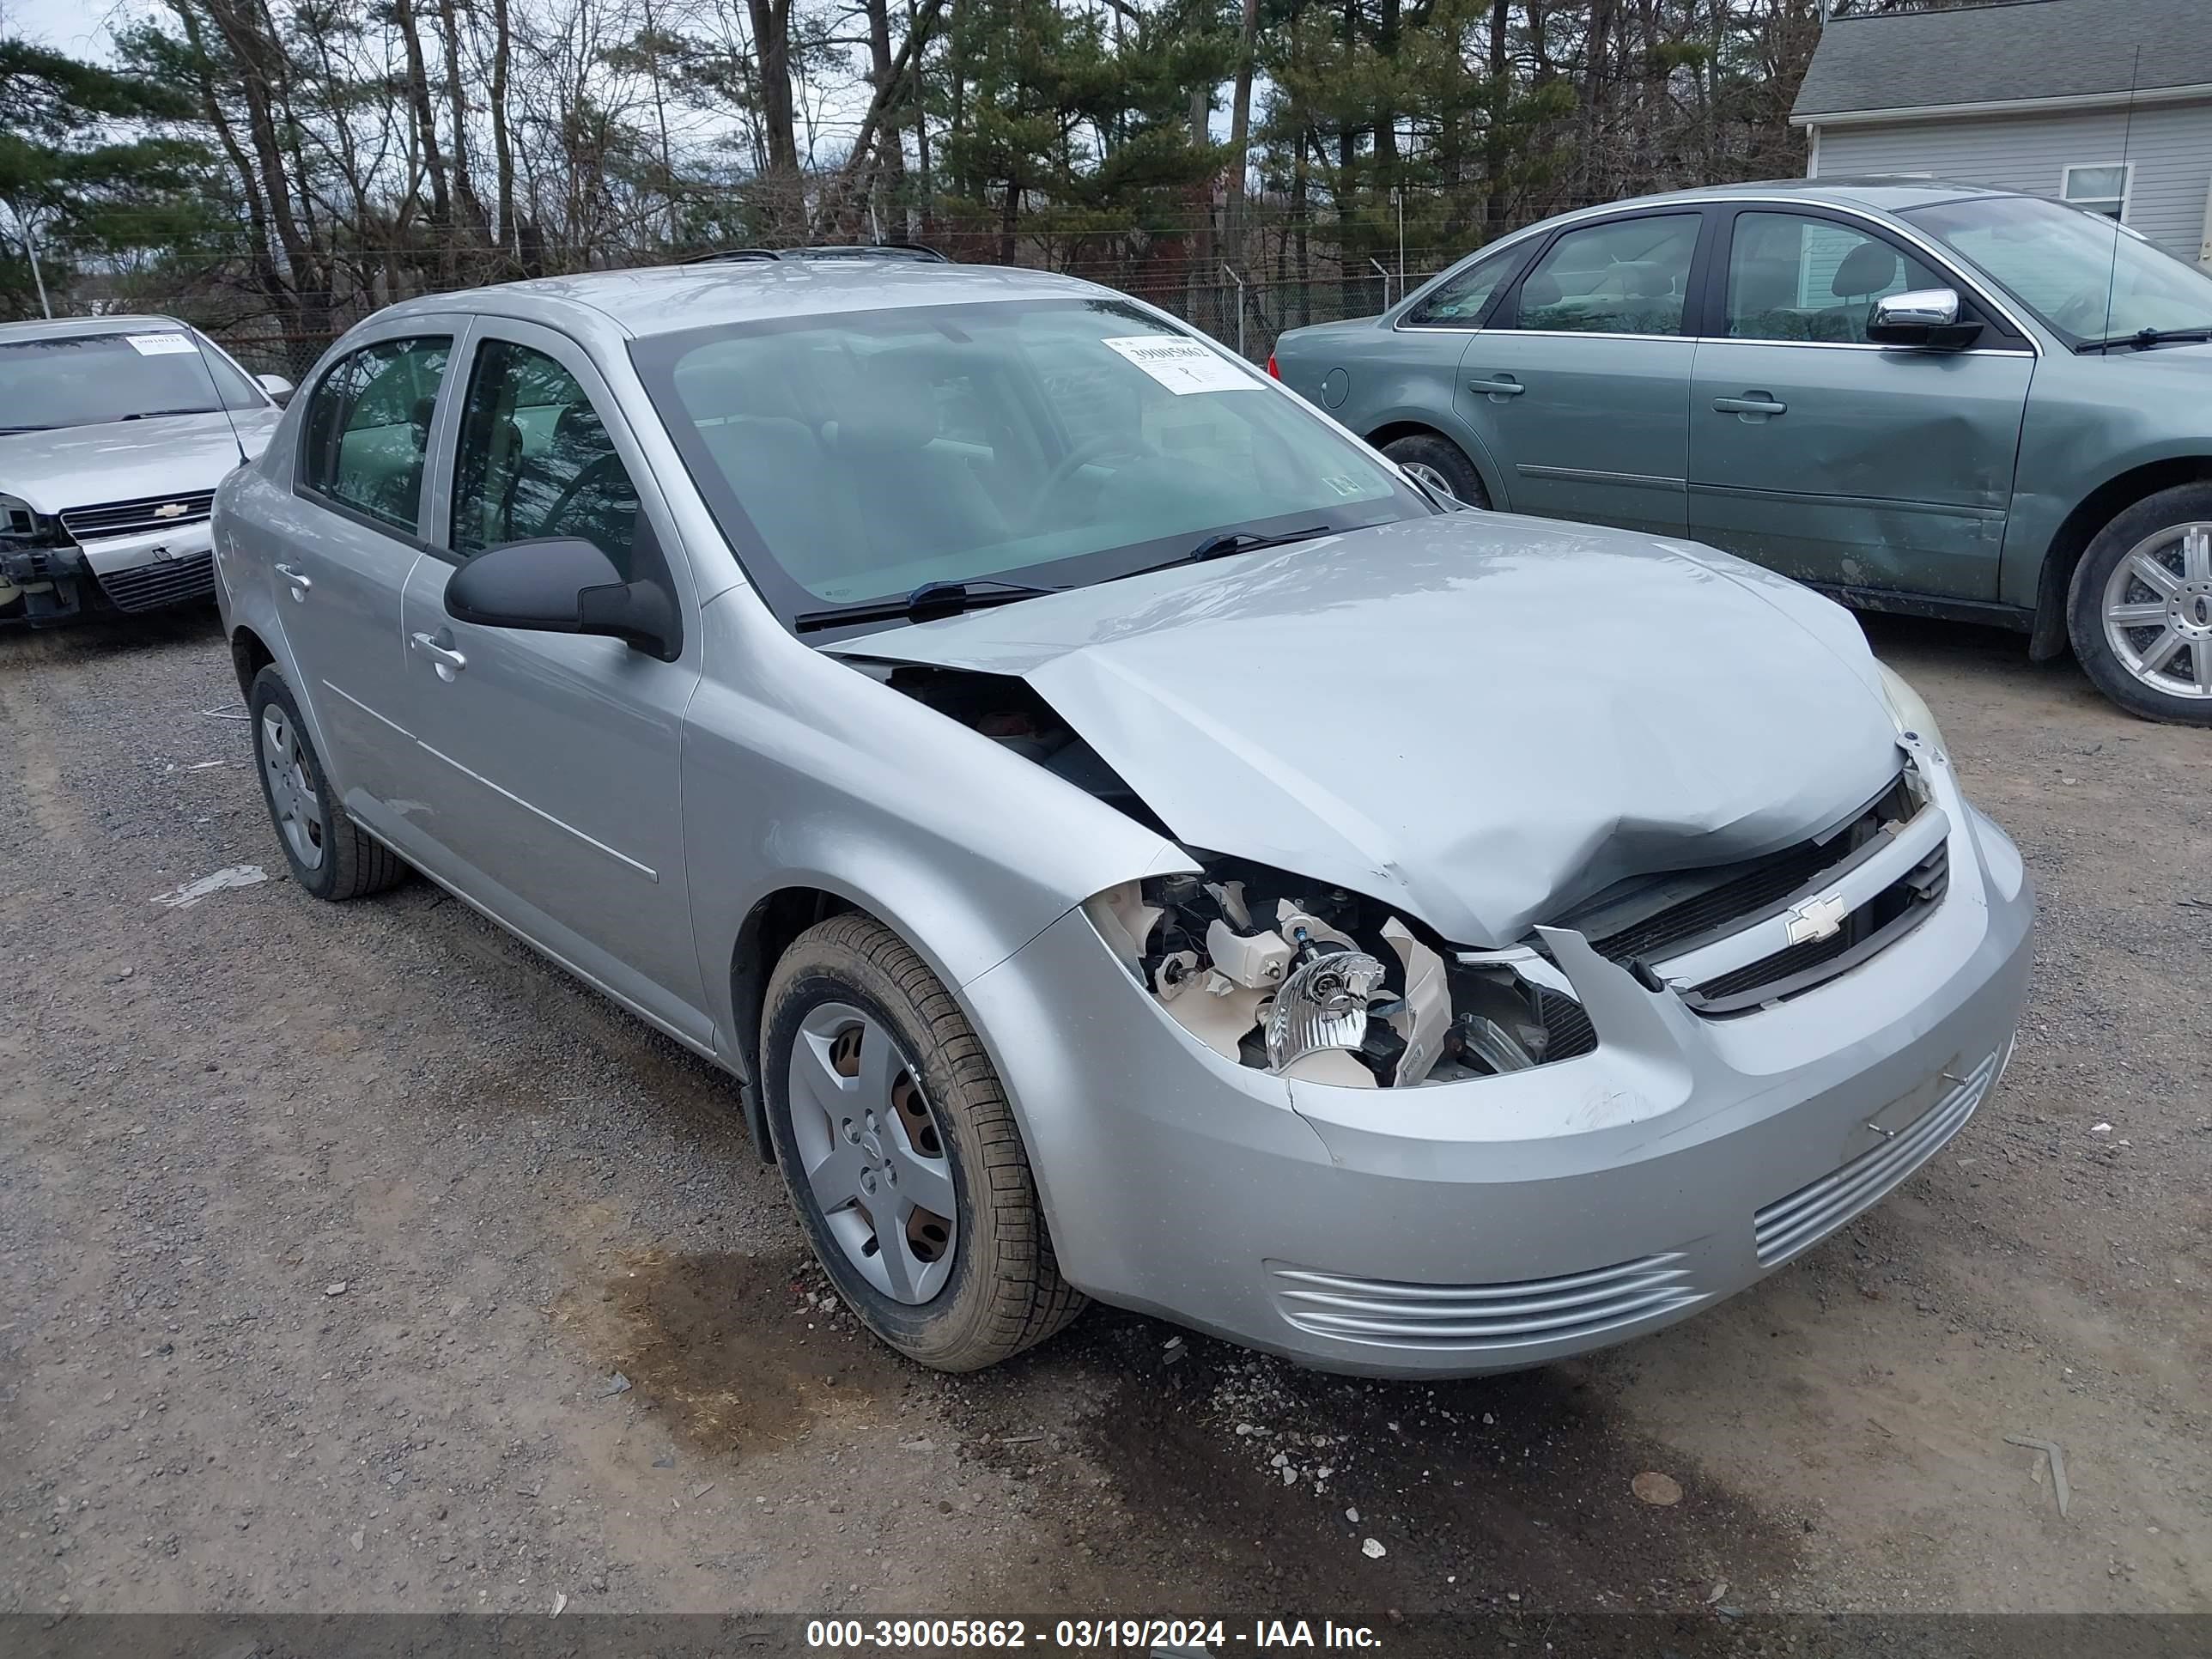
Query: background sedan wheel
x,y
1440,463
329,855
901,1153
2140,609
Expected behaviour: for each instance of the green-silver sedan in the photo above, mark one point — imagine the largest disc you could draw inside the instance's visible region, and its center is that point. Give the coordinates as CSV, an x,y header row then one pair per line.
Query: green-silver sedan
x,y
1918,397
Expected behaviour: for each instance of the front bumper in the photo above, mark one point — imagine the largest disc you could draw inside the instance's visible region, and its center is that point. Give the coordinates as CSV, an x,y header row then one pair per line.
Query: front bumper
x,y
1503,1222
144,572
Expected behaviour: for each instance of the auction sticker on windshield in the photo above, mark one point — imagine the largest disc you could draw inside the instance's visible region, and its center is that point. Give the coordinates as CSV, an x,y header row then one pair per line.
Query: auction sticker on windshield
x,y
159,346
1183,366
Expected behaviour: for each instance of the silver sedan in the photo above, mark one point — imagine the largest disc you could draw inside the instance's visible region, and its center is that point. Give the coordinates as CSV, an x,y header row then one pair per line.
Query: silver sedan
x,y
1129,839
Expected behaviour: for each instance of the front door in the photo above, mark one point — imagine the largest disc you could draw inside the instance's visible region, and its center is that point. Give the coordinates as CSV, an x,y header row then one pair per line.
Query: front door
x,y
547,785
1838,461
348,537
1579,386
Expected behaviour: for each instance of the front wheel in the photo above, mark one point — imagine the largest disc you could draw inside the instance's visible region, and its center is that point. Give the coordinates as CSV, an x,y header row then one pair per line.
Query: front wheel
x,y
1441,465
2139,611
901,1152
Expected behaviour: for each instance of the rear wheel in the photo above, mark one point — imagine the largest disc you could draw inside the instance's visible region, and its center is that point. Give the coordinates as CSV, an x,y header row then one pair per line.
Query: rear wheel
x,y
330,854
901,1153
1441,465
2140,607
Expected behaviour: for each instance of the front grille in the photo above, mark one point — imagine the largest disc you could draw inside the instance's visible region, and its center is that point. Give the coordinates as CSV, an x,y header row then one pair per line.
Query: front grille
x,y
1568,1024
170,582
1792,1225
135,518
1478,1316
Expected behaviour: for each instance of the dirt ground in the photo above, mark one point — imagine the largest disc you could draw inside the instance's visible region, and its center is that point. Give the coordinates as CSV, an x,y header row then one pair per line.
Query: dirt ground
x,y
355,1259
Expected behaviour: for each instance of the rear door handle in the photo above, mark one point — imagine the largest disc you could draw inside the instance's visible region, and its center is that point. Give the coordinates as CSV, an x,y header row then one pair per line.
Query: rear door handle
x,y
298,580
1503,385
1751,403
448,663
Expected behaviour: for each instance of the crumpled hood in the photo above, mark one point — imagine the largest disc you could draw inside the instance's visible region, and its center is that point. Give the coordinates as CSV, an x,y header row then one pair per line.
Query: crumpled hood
x,y
1480,718
128,461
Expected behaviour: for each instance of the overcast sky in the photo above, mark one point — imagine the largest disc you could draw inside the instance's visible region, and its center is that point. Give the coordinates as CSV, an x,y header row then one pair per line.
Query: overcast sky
x,y
77,27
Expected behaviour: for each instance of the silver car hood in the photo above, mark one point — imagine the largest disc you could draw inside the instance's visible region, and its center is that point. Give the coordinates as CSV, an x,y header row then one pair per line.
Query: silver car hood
x,y
1479,718
128,461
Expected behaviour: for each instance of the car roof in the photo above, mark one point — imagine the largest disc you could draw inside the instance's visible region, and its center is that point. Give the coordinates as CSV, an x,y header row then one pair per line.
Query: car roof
x,y
664,299
1892,193
60,328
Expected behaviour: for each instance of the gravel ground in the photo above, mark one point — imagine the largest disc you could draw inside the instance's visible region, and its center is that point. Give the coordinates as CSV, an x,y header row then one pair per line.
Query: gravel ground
x,y
352,1258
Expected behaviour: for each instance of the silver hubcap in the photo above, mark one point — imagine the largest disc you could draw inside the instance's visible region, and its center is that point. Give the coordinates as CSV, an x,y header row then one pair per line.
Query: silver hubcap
x,y
2158,610
1429,476
872,1152
291,796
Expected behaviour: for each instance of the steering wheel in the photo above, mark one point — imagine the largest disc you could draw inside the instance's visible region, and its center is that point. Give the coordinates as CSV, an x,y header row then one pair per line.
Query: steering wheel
x,y
2083,314
1091,449
591,475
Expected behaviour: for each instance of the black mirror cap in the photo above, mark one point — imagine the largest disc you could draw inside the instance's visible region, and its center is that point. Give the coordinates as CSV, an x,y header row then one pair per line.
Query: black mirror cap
x,y
1926,336
563,584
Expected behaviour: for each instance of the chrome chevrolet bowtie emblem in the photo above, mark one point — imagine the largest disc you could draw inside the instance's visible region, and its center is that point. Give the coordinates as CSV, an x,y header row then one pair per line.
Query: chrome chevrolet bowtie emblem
x,y
1819,918
171,510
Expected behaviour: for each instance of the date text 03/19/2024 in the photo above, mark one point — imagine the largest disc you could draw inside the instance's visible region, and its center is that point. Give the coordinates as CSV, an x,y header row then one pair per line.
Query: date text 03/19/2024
x,y
1145,1636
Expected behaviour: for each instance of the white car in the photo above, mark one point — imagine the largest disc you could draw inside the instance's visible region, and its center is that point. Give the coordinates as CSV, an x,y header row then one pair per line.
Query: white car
x,y
114,432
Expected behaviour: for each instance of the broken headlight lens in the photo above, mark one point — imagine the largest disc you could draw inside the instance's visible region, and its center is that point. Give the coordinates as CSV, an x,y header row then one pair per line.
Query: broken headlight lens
x,y
22,525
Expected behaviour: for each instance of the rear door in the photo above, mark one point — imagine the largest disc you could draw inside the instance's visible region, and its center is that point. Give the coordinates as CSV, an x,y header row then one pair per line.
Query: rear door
x,y
352,535
548,784
1838,461
1580,380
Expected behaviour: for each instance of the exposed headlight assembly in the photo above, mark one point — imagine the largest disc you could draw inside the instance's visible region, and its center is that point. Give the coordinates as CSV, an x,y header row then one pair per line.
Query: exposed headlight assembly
x,y
1293,976
22,525
1909,711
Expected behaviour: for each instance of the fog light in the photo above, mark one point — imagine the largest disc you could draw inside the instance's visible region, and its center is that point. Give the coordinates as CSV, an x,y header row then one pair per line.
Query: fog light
x,y
1323,1004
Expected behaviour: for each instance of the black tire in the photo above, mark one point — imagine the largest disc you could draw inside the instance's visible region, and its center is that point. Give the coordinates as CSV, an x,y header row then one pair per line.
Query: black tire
x,y
1005,1292
351,864
1442,458
2185,504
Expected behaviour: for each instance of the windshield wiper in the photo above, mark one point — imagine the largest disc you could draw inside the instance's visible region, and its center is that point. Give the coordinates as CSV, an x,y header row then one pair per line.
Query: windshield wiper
x,y
927,603
156,414
1246,541
5,429
2144,339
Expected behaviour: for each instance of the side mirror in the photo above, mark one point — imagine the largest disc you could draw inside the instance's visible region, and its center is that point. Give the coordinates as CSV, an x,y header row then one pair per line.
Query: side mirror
x,y
1926,318
275,386
563,584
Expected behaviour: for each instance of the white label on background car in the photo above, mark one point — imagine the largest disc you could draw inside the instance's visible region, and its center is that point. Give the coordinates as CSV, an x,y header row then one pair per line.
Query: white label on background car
x,y
159,345
1183,366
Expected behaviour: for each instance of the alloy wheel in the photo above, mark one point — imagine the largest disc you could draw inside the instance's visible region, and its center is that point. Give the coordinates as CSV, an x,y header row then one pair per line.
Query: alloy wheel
x,y
2158,610
1423,473
292,797
872,1153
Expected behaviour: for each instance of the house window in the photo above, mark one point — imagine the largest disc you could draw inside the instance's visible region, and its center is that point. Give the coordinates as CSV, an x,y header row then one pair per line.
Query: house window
x,y
2100,187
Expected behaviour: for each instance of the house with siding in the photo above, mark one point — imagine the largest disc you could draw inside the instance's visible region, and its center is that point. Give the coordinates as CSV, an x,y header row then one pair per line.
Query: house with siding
x,y
2104,103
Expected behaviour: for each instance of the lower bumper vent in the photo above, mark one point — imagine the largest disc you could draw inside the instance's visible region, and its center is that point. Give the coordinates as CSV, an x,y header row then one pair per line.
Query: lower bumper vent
x,y
1790,1225
173,581
1517,1315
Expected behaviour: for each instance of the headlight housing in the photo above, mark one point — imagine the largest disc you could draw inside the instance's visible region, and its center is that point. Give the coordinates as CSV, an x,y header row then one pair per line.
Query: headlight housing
x,y
22,525
1909,710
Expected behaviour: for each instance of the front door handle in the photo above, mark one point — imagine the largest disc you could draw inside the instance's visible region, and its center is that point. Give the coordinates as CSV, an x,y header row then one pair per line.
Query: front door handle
x,y
298,580
1751,403
447,662
1499,386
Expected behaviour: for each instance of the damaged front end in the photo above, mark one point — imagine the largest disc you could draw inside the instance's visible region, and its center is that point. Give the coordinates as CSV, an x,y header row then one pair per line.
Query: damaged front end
x,y
1311,983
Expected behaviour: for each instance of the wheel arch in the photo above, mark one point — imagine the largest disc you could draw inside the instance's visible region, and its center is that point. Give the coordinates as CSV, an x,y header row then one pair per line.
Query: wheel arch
x,y
2054,582
249,655
1406,426
769,928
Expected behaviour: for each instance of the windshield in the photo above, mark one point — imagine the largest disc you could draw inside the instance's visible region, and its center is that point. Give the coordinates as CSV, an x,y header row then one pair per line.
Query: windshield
x,y
2081,274
89,379
867,453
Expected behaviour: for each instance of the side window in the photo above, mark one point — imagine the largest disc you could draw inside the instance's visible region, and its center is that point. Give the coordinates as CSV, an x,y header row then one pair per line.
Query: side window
x,y
1627,278
368,428
536,461
1795,278
1460,302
